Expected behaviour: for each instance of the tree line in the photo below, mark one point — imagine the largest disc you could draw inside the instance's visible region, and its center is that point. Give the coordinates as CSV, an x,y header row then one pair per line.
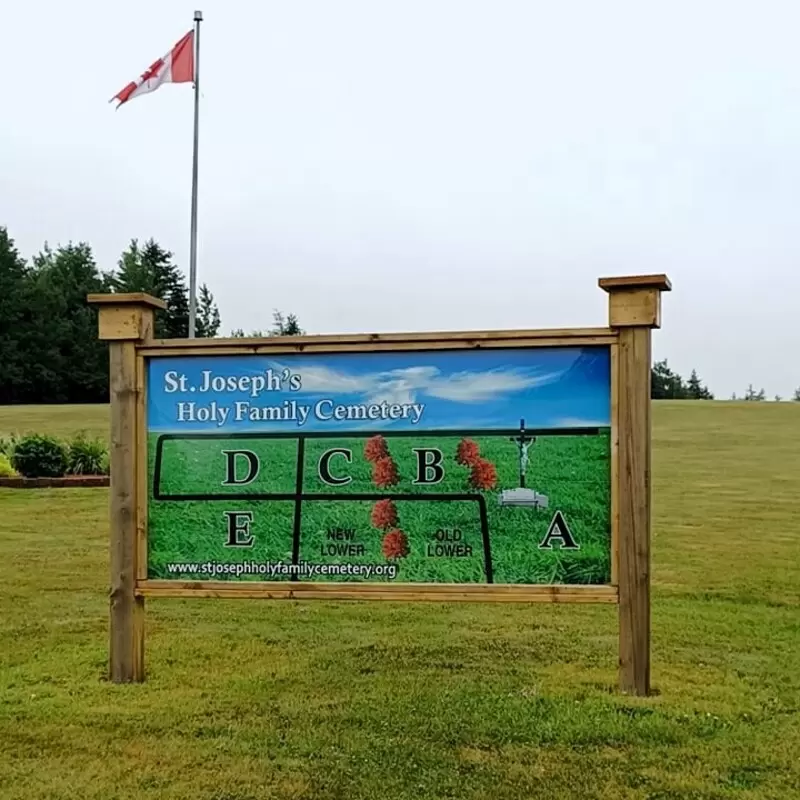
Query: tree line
x,y
49,350
50,353
666,384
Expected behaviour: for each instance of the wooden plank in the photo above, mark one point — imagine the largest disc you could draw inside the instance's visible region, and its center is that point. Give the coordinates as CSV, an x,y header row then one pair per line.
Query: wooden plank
x,y
141,519
555,334
155,350
659,282
141,470
140,299
635,307
634,509
614,476
126,611
406,592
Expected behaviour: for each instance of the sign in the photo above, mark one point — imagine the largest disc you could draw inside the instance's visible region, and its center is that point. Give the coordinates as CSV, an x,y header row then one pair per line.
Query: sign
x,y
473,467
498,466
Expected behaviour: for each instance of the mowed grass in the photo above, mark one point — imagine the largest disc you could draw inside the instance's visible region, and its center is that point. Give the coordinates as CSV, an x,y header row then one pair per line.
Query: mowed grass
x,y
572,471
61,420
249,699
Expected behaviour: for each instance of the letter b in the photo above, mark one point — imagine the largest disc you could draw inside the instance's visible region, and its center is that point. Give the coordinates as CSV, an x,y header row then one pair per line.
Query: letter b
x,y
429,465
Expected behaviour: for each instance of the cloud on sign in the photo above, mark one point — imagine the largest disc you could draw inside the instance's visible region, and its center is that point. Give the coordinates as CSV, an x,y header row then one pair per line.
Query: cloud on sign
x,y
408,384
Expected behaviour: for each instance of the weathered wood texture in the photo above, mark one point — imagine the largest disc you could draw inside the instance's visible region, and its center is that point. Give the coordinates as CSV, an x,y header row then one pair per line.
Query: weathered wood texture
x,y
127,663
125,320
634,510
634,309
377,343
438,593
141,470
400,339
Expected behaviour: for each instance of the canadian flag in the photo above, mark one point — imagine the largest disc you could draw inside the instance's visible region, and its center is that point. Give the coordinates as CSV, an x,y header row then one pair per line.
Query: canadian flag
x,y
177,66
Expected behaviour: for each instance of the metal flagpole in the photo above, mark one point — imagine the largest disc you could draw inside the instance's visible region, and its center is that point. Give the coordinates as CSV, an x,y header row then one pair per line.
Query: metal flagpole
x,y
198,18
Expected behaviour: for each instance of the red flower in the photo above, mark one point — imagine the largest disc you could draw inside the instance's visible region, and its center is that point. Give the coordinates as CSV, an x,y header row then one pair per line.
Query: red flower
x,y
384,514
467,452
483,475
375,448
384,472
395,544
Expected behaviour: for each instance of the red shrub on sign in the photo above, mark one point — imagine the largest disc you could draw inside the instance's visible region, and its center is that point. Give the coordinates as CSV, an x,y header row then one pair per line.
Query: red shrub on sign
x,y
467,452
384,514
375,448
384,472
483,475
395,544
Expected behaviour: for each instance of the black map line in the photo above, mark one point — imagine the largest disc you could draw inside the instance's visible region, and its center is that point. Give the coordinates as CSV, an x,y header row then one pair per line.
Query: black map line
x,y
590,431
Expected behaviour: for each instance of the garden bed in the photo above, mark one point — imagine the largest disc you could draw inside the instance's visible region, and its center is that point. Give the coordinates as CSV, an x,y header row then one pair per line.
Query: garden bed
x,y
54,483
36,461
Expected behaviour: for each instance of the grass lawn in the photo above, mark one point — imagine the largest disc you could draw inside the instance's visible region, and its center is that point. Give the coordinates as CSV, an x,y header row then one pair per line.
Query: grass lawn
x,y
251,699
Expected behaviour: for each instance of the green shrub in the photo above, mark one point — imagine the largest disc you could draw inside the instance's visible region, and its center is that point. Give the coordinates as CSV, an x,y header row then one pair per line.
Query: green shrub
x,y
87,456
37,456
7,444
6,470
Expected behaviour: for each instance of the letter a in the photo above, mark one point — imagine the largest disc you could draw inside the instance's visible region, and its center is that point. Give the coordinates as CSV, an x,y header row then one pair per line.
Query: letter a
x,y
558,530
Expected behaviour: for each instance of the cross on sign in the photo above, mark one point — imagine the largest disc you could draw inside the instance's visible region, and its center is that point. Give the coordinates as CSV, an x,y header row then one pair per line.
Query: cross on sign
x,y
523,442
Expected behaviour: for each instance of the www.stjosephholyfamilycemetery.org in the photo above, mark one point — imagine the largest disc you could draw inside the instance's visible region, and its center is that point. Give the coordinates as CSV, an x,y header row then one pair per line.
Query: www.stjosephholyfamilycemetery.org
x,y
324,410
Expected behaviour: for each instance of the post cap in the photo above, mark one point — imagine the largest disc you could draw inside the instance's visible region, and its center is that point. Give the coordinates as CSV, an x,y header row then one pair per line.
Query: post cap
x,y
126,299
634,301
660,282
125,317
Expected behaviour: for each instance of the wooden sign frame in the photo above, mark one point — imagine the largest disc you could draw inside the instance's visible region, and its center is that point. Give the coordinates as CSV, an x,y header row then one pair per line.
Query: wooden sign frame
x,y
126,322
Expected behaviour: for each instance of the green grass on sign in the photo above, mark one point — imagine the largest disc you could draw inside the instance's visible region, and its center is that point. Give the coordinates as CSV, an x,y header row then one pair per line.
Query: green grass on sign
x,y
445,541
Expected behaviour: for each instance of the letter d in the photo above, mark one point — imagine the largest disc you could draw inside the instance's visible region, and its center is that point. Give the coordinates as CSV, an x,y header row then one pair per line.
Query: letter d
x,y
231,478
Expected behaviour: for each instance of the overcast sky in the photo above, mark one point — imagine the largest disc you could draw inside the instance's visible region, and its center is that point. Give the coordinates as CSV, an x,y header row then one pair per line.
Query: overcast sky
x,y
433,164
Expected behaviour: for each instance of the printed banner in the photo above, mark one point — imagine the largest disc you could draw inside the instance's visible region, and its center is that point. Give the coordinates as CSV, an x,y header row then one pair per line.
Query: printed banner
x,y
480,466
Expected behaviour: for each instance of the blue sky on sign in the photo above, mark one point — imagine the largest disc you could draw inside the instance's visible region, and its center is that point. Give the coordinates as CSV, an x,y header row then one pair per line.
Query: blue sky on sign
x,y
490,389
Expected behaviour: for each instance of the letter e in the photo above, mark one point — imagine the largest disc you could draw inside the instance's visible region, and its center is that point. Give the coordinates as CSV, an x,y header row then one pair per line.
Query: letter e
x,y
237,526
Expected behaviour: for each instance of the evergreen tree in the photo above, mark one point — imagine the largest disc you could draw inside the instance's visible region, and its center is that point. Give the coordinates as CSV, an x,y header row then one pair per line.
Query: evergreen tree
x,y
150,269
285,326
281,326
208,320
73,363
666,384
240,334
695,389
752,395
15,322
796,397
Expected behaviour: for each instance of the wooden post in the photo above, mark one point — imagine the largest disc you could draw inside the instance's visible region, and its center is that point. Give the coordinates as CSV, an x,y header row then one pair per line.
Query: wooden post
x,y
125,320
634,308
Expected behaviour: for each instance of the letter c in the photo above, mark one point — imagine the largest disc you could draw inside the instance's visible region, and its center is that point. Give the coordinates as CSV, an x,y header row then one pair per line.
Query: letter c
x,y
325,470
